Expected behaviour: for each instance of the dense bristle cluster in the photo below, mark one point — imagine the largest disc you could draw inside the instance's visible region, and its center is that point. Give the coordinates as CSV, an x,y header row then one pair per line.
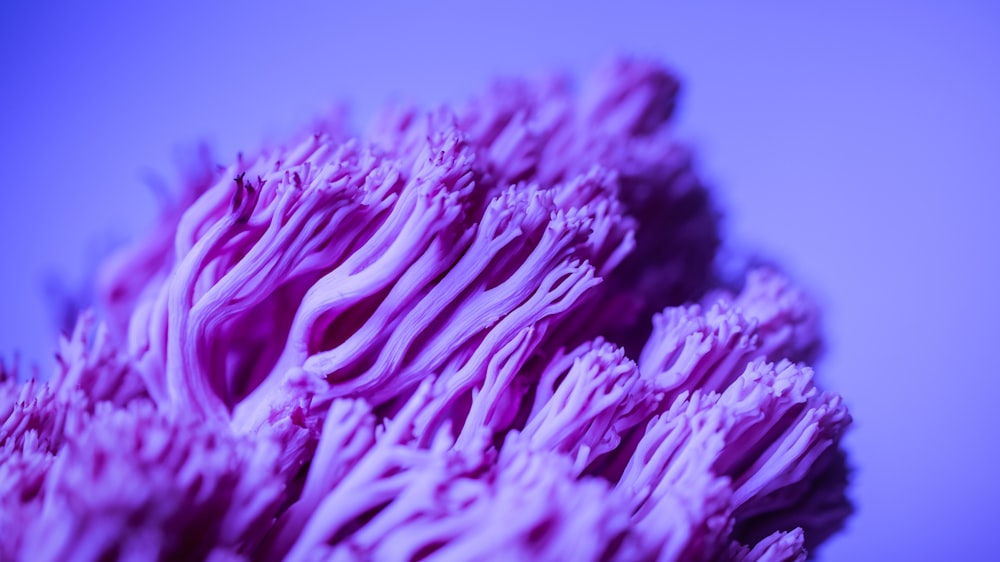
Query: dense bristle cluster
x,y
483,334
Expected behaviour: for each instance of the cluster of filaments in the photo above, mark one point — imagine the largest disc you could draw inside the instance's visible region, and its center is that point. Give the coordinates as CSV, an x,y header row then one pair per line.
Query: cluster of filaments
x,y
482,334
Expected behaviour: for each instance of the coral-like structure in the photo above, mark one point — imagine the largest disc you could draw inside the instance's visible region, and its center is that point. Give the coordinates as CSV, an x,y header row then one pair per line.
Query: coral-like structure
x,y
487,333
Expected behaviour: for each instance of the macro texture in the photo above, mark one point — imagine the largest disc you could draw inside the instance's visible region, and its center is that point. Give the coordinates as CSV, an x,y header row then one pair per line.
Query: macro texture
x,y
488,332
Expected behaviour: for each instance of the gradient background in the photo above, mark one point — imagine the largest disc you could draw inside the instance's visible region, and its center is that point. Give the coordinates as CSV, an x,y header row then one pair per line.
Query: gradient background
x,y
859,145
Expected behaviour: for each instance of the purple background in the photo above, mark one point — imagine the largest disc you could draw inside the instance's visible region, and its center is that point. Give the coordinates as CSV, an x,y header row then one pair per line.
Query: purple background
x,y
858,145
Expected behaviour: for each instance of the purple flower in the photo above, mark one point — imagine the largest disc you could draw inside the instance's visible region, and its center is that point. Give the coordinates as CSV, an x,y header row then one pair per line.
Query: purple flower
x,y
488,333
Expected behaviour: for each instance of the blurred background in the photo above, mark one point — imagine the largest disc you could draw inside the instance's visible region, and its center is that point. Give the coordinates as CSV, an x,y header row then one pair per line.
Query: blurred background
x,y
856,143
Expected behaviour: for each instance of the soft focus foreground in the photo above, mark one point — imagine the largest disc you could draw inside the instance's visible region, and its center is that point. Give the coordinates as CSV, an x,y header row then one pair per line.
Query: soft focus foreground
x,y
491,332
